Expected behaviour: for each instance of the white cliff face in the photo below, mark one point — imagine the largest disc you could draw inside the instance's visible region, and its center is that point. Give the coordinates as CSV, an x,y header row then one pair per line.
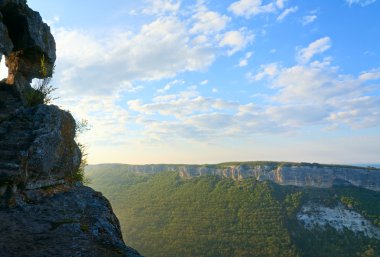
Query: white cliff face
x,y
339,217
295,174
321,176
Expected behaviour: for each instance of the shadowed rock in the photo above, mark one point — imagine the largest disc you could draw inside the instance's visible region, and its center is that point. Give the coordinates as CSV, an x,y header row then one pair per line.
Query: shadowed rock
x,y
37,145
26,39
43,212
61,221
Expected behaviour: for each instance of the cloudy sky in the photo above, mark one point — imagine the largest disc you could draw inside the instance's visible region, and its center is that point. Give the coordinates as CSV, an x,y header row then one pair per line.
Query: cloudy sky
x,y
180,81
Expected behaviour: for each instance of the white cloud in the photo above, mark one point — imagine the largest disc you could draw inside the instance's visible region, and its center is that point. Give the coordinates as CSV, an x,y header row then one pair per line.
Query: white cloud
x,y
180,105
207,22
244,61
313,84
286,12
310,93
236,40
323,96
373,74
249,8
316,94
308,19
129,87
78,48
108,120
162,7
304,96
280,3
317,47
267,71
161,49
360,2
169,85
204,82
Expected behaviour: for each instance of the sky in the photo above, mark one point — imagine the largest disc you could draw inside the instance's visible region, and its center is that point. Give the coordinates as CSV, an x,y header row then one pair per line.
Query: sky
x,y
178,81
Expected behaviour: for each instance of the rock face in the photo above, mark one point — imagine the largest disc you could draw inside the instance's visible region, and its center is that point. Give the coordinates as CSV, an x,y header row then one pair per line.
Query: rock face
x,y
37,144
43,210
338,217
297,174
61,221
25,40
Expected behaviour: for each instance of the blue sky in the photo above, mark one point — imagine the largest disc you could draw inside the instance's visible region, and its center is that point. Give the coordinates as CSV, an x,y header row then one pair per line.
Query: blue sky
x,y
171,81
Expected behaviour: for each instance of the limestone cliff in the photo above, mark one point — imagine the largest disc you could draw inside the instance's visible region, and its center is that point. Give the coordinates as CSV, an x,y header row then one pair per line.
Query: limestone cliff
x,y
297,174
339,217
43,212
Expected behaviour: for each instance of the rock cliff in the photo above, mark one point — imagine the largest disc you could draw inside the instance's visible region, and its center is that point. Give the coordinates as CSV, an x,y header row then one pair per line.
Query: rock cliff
x,y
43,211
61,221
339,217
297,174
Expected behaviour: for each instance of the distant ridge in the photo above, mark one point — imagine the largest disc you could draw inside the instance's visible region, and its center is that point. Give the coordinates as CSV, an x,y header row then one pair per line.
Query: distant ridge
x,y
283,173
375,165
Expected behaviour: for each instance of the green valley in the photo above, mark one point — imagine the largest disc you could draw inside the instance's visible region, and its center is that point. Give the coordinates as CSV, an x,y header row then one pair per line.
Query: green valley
x,y
164,214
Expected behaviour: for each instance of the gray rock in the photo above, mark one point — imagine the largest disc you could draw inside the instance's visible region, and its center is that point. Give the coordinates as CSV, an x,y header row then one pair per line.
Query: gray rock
x,y
6,44
296,174
53,153
25,40
37,144
61,221
41,214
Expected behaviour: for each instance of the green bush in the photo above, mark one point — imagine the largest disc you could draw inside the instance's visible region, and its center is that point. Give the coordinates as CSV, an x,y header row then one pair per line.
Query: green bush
x,y
79,175
42,89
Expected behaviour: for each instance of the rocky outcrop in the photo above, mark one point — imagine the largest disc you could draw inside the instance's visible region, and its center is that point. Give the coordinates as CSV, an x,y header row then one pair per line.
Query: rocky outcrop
x,y
37,144
61,221
316,216
43,210
297,174
25,41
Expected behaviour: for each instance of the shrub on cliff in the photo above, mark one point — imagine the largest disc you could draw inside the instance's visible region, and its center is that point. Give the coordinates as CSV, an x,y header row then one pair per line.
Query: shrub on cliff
x,y
79,175
42,89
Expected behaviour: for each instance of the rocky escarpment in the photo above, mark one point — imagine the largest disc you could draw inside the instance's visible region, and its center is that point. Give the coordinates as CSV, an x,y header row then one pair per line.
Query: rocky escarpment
x,y
43,210
61,221
297,174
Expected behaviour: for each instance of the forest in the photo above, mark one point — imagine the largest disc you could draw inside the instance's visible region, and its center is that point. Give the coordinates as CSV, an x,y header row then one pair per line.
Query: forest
x,y
165,215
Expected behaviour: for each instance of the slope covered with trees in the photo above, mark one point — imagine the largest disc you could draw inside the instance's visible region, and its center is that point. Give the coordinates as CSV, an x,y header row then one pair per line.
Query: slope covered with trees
x,y
164,215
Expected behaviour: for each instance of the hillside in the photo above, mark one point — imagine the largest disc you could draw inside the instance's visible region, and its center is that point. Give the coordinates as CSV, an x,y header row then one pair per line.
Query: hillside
x,y
282,173
164,214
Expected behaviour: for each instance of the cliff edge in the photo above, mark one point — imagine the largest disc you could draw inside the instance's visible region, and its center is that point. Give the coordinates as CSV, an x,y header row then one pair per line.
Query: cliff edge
x,y
282,173
43,210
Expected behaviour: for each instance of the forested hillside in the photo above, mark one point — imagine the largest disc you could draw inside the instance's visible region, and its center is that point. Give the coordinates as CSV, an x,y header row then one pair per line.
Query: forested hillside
x,y
165,215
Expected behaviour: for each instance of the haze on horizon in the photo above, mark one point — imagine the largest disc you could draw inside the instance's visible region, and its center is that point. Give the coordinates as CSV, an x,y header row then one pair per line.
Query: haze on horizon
x,y
178,81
